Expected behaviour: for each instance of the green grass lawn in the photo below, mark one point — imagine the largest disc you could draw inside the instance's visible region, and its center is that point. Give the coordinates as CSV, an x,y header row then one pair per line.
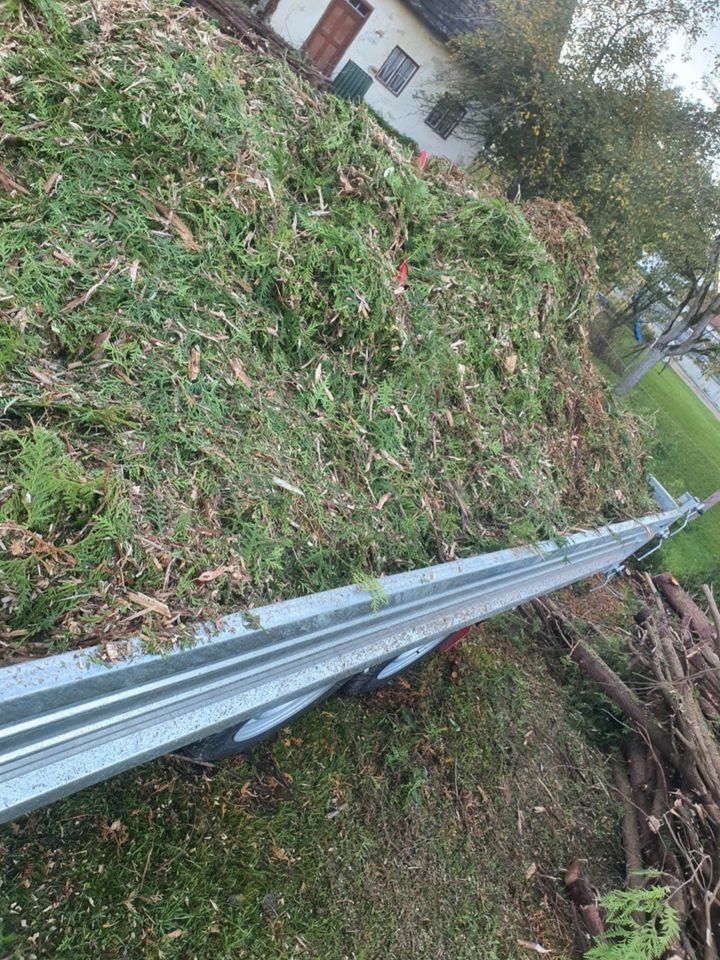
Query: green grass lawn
x,y
686,456
429,820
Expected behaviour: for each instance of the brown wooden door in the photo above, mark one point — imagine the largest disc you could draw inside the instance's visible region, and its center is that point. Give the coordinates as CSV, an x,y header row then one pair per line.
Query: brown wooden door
x,y
335,31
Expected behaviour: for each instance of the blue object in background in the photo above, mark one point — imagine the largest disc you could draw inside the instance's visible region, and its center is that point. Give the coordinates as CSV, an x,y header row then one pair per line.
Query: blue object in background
x,y
637,330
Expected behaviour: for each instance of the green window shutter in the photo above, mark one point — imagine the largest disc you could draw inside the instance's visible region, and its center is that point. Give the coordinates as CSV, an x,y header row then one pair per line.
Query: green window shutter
x,y
352,83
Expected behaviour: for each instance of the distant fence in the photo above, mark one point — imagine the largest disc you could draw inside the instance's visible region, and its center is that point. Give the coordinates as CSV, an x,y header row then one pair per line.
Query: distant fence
x,y
70,720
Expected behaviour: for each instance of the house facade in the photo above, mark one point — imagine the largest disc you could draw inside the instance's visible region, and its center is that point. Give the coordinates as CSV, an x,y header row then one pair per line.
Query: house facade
x,y
395,53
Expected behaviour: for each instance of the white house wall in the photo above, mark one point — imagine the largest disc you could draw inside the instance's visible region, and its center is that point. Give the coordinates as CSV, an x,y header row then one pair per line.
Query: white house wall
x,y
391,24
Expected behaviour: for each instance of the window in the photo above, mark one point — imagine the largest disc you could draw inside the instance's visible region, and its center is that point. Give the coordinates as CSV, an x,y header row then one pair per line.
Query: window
x,y
445,116
362,8
397,71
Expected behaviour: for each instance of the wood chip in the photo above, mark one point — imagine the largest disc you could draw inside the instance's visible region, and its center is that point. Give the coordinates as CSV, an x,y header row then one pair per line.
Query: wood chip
x,y
8,183
63,257
209,575
151,604
44,378
527,945
51,184
194,364
175,221
239,371
284,485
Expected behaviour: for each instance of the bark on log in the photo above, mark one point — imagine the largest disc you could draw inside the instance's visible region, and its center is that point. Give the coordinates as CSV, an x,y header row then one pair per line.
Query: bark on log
x,y
610,683
710,597
640,772
630,835
622,696
684,605
670,789
581,895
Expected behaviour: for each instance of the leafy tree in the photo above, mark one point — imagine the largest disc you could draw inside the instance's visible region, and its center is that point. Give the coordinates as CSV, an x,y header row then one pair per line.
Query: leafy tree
x,y
598,126
689,326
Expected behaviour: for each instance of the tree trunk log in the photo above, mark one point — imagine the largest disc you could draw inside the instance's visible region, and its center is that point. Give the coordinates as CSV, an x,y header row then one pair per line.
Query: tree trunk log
x,y
684,605
630,835
651,357
622,696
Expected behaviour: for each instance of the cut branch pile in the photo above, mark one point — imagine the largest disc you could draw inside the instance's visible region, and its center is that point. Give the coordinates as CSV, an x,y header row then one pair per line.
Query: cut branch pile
x,y
668,781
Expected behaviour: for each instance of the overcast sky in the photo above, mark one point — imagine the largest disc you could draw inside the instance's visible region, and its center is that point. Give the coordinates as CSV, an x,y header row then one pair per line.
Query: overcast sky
x,y
689,73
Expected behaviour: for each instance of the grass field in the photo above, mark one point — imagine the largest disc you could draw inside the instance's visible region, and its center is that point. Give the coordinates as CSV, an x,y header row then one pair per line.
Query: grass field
x,y
686,456
427,821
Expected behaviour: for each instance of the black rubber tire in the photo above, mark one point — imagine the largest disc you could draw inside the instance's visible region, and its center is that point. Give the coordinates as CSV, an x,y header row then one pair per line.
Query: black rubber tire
x,y
220,745
368,682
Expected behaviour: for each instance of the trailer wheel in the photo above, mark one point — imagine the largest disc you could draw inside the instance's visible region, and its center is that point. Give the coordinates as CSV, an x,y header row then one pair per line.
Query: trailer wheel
x,y
383,673
240,737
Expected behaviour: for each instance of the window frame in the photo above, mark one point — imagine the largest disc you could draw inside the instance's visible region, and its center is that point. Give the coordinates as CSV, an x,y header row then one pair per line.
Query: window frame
x,y
356,4
451,103
407,59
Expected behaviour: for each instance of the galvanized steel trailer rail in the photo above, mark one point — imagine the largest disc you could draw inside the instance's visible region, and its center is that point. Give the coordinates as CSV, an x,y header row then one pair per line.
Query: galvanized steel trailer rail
x,y
70,720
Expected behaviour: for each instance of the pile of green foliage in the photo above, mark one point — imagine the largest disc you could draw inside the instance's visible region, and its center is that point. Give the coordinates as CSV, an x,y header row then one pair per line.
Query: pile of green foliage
x,y
216,391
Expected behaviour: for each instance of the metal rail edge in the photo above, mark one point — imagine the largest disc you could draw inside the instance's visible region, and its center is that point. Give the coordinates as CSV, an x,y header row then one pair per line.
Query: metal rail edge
x,y
70,720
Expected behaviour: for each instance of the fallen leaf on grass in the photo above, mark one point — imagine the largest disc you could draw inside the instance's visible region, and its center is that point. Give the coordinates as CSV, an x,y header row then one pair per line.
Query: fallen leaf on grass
x,y
116,650
279,853
194,364
51,184
63,257
239,370
284,485
526,945
173,935
209,575
174,221
115,831
510,362
382,501
40,375
149,603
9,184
99,341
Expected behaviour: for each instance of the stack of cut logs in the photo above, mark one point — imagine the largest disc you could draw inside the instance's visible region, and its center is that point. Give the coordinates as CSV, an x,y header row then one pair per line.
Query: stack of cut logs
x,y
668,781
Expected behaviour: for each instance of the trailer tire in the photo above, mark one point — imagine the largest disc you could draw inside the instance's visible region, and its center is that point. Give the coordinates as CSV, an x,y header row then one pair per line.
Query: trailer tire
x,y
240,737
382,674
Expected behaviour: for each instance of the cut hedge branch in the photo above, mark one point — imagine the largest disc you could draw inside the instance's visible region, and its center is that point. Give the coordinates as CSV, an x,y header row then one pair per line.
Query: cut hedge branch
x,y
669,783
